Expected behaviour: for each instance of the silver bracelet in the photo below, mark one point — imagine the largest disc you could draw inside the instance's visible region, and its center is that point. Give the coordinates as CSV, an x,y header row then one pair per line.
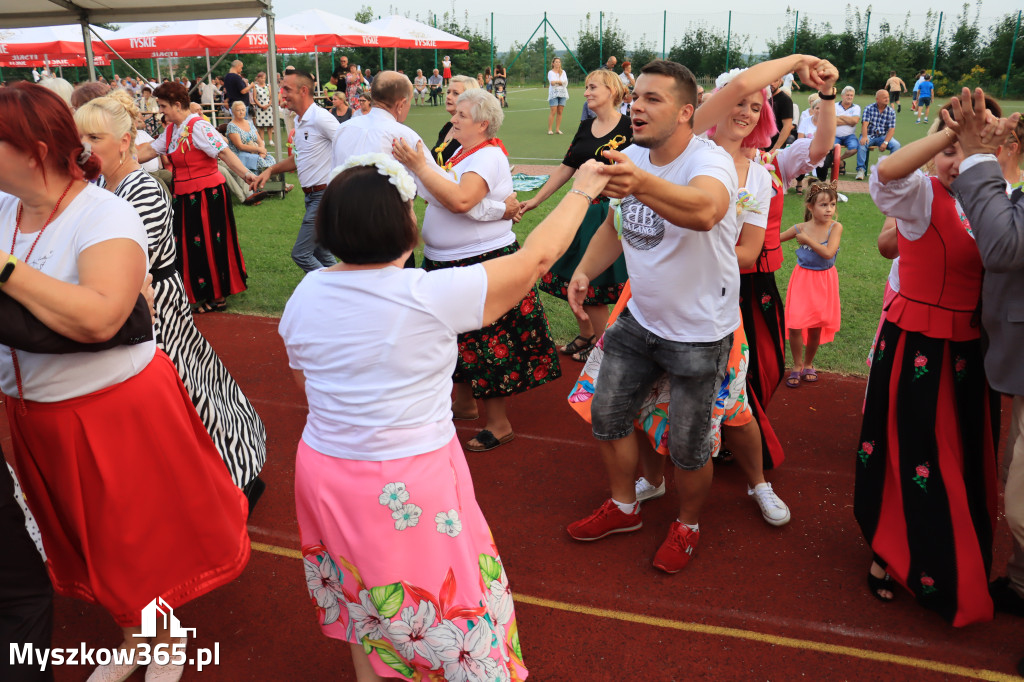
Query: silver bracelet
x,y
589,198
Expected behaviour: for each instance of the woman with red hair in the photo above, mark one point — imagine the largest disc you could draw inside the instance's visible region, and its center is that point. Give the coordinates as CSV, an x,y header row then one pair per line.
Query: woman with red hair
x,y
209,255
118,500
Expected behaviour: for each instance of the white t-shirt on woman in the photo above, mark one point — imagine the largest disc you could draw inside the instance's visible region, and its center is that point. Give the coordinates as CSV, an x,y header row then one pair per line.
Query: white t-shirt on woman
x,y
377,349
558,84
94,216
452,236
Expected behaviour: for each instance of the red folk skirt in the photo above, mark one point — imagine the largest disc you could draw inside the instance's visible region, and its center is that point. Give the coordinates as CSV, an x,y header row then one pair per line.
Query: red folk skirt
x,y
131,496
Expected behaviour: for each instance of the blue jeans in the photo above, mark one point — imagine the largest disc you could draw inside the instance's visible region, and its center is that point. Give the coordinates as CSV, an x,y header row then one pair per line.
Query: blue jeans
x,y
850,141
306,253
633,360
862,150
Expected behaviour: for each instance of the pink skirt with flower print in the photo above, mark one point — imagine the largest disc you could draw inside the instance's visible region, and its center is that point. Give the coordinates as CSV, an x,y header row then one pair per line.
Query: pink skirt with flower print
x,y
398,556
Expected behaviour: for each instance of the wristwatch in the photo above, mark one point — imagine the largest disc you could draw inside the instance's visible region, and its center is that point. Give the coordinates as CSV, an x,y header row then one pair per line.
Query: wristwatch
x,y
8,269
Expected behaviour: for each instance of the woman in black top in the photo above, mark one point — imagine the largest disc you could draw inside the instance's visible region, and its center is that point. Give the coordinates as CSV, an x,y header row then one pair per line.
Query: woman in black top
x,y
446,145
609,130
341,110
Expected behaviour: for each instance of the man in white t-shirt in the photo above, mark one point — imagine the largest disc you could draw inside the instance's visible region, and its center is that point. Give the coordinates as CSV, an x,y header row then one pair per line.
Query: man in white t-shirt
x,y
314,130
678,234
847,118
374,132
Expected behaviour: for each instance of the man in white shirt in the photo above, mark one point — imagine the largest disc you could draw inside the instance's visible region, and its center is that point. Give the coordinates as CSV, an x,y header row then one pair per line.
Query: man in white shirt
x,y
391,93
847,117
679,232
314,130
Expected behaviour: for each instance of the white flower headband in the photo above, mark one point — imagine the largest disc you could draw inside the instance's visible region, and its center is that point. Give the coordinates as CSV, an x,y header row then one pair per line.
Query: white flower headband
x,y
725,78
386,166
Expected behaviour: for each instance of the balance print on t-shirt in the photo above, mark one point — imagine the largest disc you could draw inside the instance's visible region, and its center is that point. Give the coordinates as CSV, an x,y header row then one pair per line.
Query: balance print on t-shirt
x,y
642,228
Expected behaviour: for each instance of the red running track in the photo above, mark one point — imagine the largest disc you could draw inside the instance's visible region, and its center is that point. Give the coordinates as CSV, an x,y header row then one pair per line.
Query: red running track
x,y
757,602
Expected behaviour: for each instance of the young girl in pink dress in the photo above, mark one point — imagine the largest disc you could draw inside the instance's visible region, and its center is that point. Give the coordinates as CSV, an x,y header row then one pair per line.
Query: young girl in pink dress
x,y
812,297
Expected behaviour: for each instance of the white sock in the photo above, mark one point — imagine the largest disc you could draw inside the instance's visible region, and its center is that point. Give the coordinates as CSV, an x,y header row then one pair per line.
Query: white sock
x,y
625,507
694,527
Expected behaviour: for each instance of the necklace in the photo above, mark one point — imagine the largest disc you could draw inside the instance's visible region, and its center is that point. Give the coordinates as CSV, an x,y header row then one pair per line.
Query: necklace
x,y
463,154
14,239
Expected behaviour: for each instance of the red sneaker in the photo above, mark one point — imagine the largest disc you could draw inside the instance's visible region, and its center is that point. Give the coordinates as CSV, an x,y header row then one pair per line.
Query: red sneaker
x,y
677,550
607,519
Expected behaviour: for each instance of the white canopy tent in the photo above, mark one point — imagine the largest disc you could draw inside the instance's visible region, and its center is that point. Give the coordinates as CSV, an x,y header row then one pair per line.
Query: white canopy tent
x,y
416,35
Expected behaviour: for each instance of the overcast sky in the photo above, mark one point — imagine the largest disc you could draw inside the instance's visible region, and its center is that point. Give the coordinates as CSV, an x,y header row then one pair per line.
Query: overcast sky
x,y
755,18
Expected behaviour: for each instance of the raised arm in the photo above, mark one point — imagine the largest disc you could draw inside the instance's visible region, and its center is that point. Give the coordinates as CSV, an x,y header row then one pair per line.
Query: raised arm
x,y
509,278
810,69
914,155
698,206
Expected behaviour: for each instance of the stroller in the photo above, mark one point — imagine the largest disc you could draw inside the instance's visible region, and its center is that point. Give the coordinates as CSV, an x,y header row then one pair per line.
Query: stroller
x,y
499,90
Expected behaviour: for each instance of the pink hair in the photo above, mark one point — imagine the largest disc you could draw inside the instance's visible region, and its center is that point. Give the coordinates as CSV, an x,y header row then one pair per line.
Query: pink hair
x,y
761,135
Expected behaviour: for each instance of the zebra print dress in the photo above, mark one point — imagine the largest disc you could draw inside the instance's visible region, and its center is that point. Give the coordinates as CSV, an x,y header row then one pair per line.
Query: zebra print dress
x,y
230,418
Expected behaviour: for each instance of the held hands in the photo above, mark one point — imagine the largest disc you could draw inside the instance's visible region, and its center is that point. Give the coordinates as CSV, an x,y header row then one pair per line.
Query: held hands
x,y
828,74
412,159
976,128
576,293
257,181
811,70
623,177
513,209
591,178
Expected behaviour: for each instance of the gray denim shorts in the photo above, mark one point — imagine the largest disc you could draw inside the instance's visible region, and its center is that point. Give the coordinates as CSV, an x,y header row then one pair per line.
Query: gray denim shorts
x,y
633,360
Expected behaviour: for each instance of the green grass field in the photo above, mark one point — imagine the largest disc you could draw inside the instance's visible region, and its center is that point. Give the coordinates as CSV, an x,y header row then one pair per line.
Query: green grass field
x,y
267,231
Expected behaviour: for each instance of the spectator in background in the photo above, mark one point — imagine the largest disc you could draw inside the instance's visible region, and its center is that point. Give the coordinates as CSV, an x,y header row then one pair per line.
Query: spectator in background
x,y
847,117
788,83
435,82
558,95
331,86
876,130
419,88
917,87
365,104
353,84
488,80
895,86
264,112
87,92
446,63
924,97
236,88
782,107
627,76
700,94
367,79
341,110
246,142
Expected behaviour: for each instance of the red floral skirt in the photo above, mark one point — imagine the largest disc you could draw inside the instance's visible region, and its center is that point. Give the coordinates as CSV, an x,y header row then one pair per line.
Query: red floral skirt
x,y
512,355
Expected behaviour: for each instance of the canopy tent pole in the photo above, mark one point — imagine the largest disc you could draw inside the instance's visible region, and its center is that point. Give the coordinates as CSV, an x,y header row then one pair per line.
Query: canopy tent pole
x,y
279,149
134,70
209,80
159,78
396,58
316,61
87,41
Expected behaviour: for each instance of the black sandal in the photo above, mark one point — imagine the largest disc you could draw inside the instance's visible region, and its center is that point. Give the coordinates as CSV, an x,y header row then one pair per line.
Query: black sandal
x,y
581,344
885,583
220,306
203,308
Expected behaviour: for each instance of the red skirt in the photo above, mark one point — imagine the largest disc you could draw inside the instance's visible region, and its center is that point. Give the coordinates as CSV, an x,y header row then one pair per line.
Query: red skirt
x,y
131,496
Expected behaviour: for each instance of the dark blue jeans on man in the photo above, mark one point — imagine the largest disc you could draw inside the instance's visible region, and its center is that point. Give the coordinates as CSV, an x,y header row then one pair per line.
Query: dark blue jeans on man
x,y
306,253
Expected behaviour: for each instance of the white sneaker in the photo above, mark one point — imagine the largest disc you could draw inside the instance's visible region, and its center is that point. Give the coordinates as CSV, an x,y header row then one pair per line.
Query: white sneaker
x,y
774,510
646,491
860,174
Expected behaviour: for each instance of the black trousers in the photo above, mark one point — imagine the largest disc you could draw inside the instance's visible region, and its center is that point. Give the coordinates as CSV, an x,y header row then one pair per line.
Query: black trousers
x,y
26,596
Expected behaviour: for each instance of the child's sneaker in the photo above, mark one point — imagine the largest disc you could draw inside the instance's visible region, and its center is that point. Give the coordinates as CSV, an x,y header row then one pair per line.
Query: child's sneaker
x,y
605,520
645,490
677,549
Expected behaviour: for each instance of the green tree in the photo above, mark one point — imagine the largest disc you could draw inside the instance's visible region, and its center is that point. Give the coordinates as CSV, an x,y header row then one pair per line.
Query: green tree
x,y
592,51
964,49
643,52
703,50
529,67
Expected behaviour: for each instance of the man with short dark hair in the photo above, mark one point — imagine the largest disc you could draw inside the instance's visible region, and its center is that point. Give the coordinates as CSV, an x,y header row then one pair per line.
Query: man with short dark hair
x,y
312,160
236,88
678,233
